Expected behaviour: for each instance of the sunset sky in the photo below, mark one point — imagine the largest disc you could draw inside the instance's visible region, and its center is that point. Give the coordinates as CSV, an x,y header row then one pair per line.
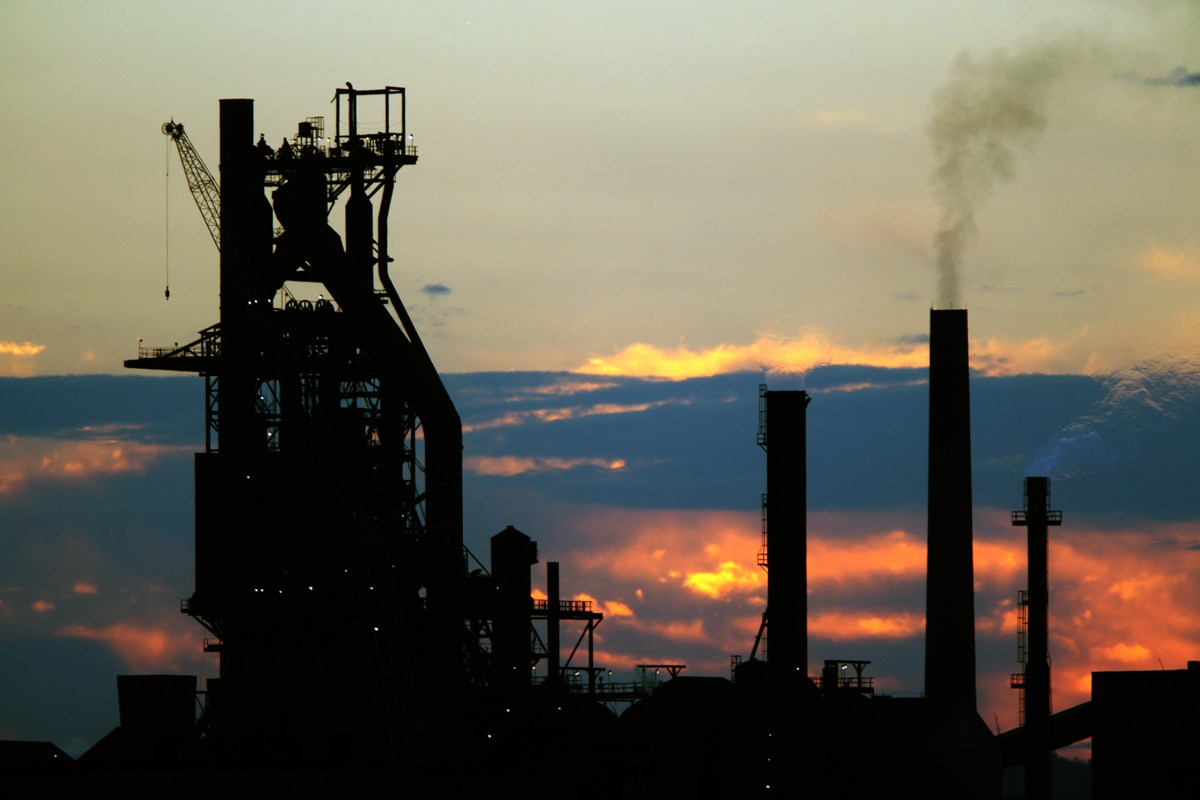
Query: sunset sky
x,y
626,216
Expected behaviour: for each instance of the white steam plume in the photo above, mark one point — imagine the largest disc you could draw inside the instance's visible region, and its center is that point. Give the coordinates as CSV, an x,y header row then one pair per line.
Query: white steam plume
x,y
786,362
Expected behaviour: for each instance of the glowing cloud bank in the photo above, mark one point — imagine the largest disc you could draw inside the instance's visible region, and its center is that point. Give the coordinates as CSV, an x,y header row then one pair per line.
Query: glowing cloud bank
x,y
143,649
773,354
1176,264
784,359
23,349
29,459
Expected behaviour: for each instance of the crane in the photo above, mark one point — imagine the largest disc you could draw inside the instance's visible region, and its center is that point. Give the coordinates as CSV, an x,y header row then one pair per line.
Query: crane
x,y
205,189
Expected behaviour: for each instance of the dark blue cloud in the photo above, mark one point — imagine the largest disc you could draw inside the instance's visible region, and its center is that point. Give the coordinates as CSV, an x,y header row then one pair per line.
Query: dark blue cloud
x,y
695,447
164,409
686,445
435,289
1179,77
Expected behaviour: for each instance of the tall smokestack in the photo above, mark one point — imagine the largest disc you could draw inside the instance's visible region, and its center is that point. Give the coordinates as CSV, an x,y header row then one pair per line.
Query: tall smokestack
x,y
783,434
950,590
1037,517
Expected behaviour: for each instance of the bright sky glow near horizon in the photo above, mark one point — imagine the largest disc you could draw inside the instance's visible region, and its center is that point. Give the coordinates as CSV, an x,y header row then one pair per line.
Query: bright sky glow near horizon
x,y
679,176
670,190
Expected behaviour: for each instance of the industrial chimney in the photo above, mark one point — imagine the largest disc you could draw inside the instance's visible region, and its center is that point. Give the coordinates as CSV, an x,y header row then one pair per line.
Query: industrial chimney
x,y
1037,517
782,433
950,591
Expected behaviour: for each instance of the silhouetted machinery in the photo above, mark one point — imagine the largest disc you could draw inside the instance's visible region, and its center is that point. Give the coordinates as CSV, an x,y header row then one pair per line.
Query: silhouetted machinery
x,y
203,186
329,551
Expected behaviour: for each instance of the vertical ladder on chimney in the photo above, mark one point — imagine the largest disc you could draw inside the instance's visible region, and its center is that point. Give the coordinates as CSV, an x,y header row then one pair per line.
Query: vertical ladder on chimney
x,y
1018,678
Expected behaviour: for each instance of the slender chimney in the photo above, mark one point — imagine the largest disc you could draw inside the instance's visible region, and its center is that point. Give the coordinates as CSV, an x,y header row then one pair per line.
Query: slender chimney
x,y
1037,517
783,434
950,590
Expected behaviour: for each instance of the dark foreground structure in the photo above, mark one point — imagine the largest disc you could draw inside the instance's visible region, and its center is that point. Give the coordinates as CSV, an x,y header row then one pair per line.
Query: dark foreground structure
x,y
362,648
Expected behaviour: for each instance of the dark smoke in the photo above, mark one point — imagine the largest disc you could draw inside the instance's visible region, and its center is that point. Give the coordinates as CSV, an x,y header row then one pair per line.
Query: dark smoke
x,y
990,107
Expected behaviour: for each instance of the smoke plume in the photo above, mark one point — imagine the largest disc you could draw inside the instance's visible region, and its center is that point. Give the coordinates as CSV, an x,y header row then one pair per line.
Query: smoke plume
x,y
989,108
1148,405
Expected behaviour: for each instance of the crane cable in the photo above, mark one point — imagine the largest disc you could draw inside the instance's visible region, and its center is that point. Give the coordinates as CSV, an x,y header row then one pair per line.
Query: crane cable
x,y
167,216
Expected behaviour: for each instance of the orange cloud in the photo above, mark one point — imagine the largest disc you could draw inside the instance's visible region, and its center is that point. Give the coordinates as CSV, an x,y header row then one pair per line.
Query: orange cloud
x,y
1002,621
1173,263
667,546
43,606
26,459
507,466
846,626
1144,585
613,608
896,553
82,587
729,576
22,349
143,649
1000,357
783,357
567,387
17,359
1124,653
999,563
511,418
1120,599
777,354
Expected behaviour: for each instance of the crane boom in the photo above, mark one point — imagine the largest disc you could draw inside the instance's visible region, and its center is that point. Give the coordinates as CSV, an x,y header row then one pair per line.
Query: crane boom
x,y
205,189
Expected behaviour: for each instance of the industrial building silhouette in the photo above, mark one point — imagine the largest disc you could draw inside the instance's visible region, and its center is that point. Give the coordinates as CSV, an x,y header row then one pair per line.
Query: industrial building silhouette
x,y
362,647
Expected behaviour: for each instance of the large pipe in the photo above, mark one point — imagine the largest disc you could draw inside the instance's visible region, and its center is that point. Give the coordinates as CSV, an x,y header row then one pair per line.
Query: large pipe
x,y
553,617
950,590
785,438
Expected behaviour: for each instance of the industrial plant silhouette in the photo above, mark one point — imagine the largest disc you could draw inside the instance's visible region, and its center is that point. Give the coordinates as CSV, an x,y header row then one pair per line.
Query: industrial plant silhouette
x,y
362,647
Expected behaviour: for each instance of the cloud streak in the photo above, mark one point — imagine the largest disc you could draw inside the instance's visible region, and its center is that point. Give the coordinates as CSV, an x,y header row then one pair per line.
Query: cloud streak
x,y
508,466
143,648
559,414
26,460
